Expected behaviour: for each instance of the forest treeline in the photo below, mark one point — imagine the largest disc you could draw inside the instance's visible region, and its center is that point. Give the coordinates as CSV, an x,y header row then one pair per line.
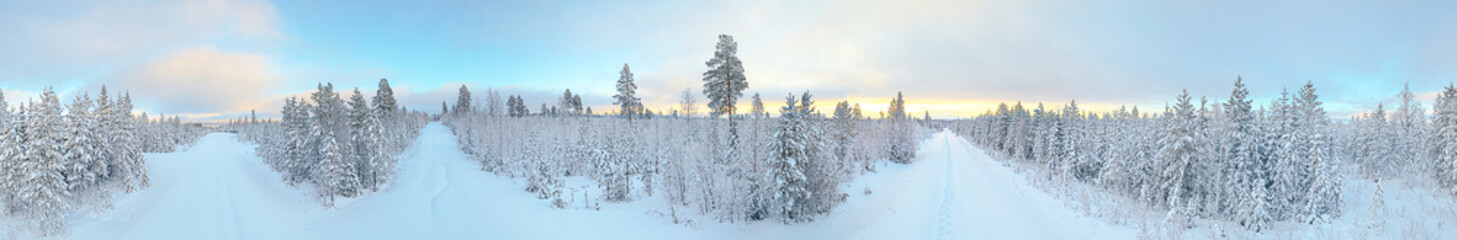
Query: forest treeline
x,y
1227,159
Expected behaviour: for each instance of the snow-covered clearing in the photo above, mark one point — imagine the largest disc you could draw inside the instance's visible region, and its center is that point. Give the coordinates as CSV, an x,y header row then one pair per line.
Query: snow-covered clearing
x,y
219,190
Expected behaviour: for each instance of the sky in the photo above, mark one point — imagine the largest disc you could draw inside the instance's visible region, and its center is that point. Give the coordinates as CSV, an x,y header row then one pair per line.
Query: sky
x,y
210,60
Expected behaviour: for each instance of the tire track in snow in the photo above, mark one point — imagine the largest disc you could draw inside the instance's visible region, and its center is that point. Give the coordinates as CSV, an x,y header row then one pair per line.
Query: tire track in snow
x,y
945,230
439,180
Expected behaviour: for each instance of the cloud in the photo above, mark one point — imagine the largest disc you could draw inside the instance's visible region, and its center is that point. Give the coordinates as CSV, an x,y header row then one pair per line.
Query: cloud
x,y
1102,54
202,80
1110,53
59,34
164,47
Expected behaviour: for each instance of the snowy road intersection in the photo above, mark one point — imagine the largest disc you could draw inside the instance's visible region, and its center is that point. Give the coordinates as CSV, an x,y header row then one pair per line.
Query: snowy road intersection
x,y
219,190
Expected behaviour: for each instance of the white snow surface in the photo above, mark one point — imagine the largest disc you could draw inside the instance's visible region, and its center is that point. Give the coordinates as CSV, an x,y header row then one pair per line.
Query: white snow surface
x,y
219,189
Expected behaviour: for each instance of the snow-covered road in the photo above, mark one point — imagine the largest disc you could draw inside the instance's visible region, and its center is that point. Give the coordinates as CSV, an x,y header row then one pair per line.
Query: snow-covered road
x,y
220,190
988,201
215,190
955,191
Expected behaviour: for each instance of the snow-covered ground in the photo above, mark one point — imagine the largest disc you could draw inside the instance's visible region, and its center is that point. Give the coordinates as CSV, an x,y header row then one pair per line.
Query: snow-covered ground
x,y
1408,211
219,190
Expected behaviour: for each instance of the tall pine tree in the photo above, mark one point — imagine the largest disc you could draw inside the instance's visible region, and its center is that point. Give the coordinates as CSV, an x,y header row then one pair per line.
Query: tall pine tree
x,y
629,105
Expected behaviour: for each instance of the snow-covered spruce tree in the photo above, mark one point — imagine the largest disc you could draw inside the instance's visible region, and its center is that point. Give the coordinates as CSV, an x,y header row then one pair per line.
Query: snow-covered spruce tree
x,y
570,104
462,102
511,106
997,137
521,109
1323,197
541,176
1057,141
1041,127
393,129
825,170
1283,163
384,98
787,161
370,160
494,106
757,107
129,156
334,174
1373,145
845,134
1444,139
297,160
335,177
1411,150
1244,159
444,109
42,186
84,171
1175,160
1018,136
8,146
5,116
1078,157
106,130
12,153
291,146
615,167
1120,174
902,145
628,104
267,134
1256,217
1377,210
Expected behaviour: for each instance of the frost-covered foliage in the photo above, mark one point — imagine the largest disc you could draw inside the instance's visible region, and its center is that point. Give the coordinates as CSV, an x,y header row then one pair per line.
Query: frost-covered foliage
x,y
1444,137
166,134
743,168
54,158
687,160
627,101
1403,143
1206,161
724,82
341,148
462,102
902,145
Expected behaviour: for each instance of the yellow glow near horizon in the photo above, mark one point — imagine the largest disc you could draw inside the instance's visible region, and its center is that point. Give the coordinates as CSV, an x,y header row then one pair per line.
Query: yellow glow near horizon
x,y
916,107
